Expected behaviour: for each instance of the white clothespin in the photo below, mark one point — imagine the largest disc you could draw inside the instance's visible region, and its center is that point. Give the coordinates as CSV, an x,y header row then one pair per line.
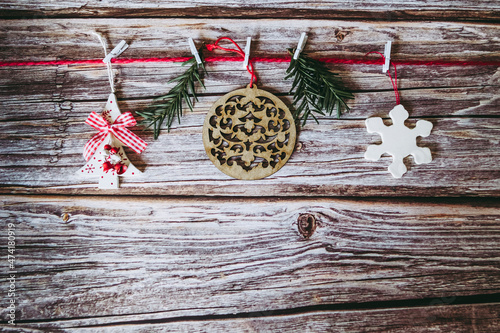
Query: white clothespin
x,y
247,52
122,46
387,56
194,51
300,46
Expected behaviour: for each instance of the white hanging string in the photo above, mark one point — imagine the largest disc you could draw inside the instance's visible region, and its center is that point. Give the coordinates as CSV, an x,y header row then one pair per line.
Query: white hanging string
x,y
108,64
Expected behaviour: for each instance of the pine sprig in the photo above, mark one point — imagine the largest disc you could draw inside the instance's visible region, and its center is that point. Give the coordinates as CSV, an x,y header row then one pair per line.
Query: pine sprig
x,y
165,109
317,90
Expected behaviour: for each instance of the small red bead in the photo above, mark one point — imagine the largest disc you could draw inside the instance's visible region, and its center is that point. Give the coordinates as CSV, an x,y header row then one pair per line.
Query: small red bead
x,y
113,150
107,147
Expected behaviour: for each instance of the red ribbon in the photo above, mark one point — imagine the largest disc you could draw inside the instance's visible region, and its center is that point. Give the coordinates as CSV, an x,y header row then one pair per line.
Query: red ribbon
x,y
117,129
238,50
395,81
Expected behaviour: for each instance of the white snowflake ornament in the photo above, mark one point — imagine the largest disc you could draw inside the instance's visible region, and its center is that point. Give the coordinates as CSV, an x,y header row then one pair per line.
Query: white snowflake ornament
x,y
398,140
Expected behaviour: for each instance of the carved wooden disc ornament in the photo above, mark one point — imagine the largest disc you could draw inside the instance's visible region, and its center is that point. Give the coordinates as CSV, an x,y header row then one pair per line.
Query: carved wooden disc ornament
x,y
249,133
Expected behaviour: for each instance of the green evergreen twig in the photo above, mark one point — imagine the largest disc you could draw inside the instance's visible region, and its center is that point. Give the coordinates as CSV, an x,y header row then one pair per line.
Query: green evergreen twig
x,y
165,108
317,90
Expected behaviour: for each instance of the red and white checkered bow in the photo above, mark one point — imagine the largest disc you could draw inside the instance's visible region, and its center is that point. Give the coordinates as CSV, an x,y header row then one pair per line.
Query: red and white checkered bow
x,y
117,129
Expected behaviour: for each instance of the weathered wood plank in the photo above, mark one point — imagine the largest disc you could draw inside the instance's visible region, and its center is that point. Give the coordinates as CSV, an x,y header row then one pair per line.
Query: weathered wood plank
x,y
42,154
468,90
454,318
449,91
52,39
45,107
457,10
168,258
457,319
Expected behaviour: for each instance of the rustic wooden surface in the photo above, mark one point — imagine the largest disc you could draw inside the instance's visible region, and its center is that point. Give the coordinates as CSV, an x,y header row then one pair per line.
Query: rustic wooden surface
x,y
189,257
461,102
188,249
455,10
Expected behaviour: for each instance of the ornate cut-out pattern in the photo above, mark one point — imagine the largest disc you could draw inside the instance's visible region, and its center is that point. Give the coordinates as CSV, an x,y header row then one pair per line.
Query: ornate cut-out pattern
x,y
249,133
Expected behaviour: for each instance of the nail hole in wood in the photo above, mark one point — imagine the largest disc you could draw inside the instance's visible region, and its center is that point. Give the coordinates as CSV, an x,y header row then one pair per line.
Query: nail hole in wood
x,y
306,225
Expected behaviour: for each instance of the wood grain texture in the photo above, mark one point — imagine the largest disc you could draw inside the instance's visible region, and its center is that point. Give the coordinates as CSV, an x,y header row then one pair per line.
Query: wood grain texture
x,y
45,107
186,248
427,92
443,318
329,162
457,10
42,154
50,39
128,259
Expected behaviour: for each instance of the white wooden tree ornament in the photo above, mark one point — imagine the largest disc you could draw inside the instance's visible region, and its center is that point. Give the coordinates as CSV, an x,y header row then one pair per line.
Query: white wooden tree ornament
x,y
398,140
119,164
104,152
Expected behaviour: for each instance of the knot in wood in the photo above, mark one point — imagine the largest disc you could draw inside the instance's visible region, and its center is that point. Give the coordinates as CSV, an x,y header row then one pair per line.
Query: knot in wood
x,y
340,35
65,217
306,225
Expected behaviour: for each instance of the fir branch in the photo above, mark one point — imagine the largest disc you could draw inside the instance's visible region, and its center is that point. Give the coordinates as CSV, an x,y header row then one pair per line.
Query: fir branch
x,y
165,109
317,90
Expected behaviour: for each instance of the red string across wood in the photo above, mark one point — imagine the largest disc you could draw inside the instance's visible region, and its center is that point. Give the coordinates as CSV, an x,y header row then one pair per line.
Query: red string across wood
x,y
332,60
395,81
238,50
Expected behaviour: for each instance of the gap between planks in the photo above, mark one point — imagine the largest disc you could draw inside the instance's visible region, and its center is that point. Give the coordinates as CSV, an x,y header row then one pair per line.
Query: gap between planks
x,y
464,10
433,307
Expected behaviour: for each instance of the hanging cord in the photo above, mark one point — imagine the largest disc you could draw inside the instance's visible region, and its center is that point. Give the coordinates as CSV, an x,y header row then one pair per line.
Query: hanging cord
x,y
108,64
395,81
250,69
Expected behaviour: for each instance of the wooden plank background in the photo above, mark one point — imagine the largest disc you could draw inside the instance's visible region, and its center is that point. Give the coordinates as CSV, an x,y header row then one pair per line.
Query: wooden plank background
x,y
461,103
188,249
454,10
